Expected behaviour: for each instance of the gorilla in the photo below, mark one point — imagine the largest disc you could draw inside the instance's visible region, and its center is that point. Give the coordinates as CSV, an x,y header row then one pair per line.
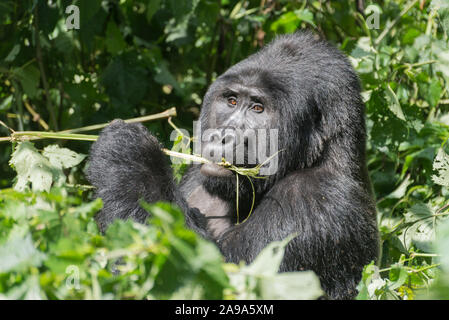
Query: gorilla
x,y
306,90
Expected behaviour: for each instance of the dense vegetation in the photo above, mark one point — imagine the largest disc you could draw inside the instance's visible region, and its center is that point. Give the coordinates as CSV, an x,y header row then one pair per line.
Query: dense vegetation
x,y
135,58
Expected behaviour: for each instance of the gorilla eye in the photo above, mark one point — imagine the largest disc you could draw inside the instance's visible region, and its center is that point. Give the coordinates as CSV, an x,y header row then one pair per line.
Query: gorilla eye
x,y
232,101
257,108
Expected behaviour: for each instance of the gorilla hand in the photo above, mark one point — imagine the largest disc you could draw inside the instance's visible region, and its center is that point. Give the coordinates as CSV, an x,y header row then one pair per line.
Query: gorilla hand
x,y
127,164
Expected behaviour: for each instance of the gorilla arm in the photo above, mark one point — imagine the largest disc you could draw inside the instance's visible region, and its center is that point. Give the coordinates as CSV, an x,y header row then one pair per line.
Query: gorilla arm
x,y
333,239
126,164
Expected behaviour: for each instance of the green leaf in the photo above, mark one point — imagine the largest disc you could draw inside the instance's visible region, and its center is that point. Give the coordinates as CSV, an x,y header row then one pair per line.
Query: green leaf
x,y
291,286
177,28
434,92
164,76
442,7
152,7
269,259
441,165
6,103
393,103
125,82
398,275
89,209
62,157
13,53
305,15
421,233
114,39
31,167
287,23
400,191
442,245
18,254
28,290
29,78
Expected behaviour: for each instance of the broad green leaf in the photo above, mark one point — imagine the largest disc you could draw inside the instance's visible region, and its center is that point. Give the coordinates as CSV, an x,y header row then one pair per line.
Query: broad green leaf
x,y
62,157
291,286
398,275
18,254
31,167
441,165
152,7
305,15
29,78
287,23
125,82
421,233
269,259
88,209
114,39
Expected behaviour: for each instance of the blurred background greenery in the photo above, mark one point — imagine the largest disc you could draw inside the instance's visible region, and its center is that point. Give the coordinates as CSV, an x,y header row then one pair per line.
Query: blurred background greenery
x,y
133,58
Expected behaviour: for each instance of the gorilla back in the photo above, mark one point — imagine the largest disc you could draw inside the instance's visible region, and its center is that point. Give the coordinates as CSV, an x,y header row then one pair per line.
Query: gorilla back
x,y
305,89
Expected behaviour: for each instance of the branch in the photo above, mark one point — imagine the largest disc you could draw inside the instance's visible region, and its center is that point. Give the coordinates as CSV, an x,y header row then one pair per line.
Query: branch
x,y
67,134
165,114
395,21
36,116
33,135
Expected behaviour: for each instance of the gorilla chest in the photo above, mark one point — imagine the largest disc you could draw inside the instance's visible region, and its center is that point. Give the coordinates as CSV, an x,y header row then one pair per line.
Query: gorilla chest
x,y
214,208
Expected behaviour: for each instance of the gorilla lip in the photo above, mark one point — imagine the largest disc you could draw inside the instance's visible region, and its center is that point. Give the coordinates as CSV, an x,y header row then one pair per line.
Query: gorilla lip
x,y
214,170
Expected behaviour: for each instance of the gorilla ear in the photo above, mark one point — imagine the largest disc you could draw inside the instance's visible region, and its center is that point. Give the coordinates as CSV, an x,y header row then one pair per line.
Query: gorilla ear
x,y
331,112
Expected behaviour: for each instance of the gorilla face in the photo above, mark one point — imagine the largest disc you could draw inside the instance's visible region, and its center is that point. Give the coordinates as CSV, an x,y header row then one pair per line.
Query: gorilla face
x,y
240,124
304,92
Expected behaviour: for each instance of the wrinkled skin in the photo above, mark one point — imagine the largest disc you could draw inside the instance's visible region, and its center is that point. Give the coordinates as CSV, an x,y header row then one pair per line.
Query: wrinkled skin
x,y
321,191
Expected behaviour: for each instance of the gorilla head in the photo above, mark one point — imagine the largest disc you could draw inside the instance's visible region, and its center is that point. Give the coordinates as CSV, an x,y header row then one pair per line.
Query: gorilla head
x,y
301,92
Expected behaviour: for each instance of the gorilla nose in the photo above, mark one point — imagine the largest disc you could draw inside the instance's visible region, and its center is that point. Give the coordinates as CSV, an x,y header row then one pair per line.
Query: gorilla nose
x,y
225,137
230,137
222,143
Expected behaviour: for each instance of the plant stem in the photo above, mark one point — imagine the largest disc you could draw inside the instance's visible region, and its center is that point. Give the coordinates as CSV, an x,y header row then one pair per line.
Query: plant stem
x,y
165,114
395,21
185,156
237,196
32,135
57,135
18,100
36,116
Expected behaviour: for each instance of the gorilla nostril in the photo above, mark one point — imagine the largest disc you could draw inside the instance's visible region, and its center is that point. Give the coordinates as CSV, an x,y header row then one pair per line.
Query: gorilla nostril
x,y
228,138
214,137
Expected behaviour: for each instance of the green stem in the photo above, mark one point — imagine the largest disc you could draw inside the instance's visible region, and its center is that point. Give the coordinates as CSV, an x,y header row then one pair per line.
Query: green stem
x,y
395,21
32,135
165,114
237,196
254,199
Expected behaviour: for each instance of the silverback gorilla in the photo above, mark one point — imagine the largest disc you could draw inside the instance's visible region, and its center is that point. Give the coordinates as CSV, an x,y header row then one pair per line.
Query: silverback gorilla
x,y
307,90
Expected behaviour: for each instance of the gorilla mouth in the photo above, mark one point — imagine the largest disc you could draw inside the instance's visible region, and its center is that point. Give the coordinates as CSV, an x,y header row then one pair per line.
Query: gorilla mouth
x,y
214,170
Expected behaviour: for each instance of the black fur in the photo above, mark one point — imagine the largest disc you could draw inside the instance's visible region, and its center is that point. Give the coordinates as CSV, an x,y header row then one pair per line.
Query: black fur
x,y
321,190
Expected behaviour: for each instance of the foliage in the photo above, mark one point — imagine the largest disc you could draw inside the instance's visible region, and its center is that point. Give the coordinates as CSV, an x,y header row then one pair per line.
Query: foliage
x,y
51,249
132,58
